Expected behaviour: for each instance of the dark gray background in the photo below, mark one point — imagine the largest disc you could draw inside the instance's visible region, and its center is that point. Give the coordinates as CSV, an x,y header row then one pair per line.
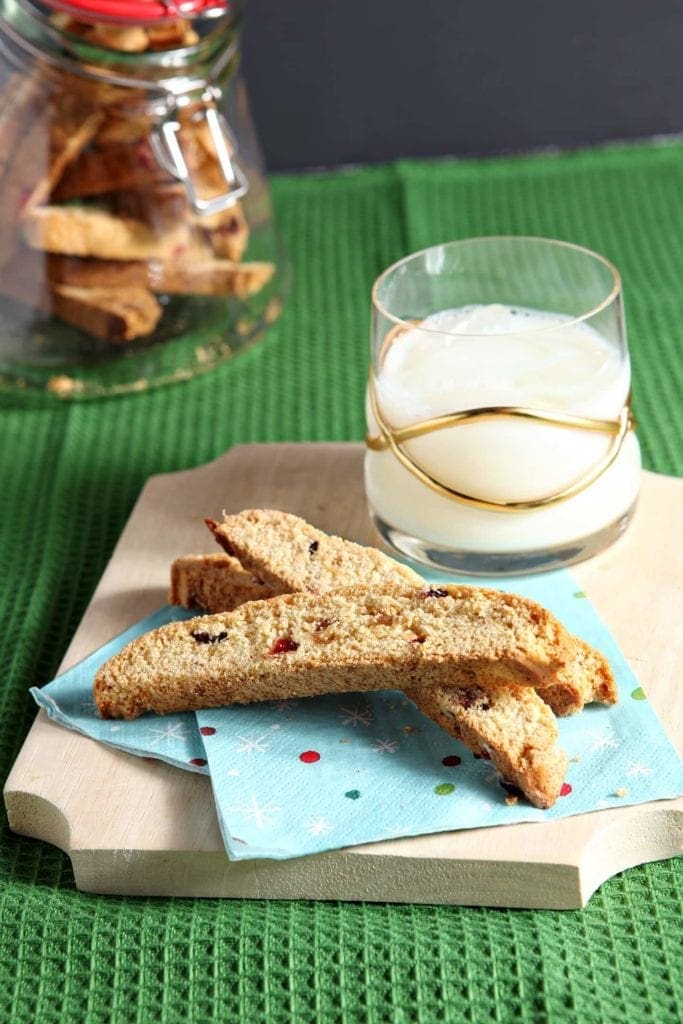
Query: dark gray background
x,y
345,82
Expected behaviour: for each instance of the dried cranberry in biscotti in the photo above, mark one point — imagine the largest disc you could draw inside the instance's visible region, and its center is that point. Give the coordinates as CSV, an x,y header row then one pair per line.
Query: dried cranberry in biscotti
x,y
284,645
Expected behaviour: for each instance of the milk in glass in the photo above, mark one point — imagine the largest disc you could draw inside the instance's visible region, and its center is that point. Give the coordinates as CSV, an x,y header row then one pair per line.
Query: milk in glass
x,y
499,355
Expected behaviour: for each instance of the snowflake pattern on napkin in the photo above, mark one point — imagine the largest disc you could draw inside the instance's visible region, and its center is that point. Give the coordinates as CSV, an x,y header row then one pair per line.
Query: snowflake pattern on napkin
x,y
68,700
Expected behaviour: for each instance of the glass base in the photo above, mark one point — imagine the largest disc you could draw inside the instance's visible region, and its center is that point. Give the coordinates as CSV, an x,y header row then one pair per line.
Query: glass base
x,y
500,563
60,361
44,356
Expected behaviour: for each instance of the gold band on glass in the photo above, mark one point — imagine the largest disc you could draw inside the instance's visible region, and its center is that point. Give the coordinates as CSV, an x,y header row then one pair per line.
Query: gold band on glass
x,y
394,437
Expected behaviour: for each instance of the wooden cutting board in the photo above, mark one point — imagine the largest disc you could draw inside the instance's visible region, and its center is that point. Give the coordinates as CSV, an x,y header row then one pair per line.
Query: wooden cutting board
x,y
133,826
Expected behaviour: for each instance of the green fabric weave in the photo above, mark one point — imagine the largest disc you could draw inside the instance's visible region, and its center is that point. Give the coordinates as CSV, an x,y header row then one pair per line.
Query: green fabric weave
x,y
69,475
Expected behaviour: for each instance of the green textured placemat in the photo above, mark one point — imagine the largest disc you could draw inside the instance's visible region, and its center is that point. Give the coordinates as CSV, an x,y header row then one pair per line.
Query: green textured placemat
x,y
69,475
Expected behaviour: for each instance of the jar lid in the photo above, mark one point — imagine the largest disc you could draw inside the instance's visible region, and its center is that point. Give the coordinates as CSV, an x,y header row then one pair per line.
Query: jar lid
x,y
138,11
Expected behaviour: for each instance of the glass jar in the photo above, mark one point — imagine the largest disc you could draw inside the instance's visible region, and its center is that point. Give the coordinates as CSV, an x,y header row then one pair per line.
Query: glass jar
x,y
137,238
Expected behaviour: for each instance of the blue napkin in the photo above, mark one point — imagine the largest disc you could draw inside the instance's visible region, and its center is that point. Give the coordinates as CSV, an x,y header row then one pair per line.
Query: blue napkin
x,y
68,700
297,777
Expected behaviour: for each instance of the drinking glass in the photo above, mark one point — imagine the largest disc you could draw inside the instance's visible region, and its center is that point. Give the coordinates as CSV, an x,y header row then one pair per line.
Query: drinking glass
x,y
500,437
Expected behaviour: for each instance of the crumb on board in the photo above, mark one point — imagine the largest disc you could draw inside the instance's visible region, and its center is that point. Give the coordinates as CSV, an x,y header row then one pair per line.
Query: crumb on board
x,y
622,791
64,386
511,800
203,355
244,326
273,310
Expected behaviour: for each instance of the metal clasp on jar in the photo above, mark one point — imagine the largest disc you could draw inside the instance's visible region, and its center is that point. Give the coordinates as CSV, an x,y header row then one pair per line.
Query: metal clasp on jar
x,y
167,149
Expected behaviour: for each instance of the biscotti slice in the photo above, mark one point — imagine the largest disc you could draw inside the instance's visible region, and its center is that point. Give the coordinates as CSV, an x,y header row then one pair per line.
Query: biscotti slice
x,y
114,316
70,130
129,38
214,583
201,277
123,165
290,555
211,277
216,588
299,645
135,39
508,724
130,164
36,163
81,231
124,38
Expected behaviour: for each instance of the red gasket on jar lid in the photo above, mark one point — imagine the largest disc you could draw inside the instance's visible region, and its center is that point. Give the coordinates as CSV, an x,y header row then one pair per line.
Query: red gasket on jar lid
x,y
138,11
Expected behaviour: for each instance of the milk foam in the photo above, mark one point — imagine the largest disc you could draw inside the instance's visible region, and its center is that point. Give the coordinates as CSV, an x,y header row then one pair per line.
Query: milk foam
x,y
500,355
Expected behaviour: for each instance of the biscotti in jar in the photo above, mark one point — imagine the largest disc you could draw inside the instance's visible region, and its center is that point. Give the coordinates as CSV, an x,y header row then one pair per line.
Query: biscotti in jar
x,y
137,238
